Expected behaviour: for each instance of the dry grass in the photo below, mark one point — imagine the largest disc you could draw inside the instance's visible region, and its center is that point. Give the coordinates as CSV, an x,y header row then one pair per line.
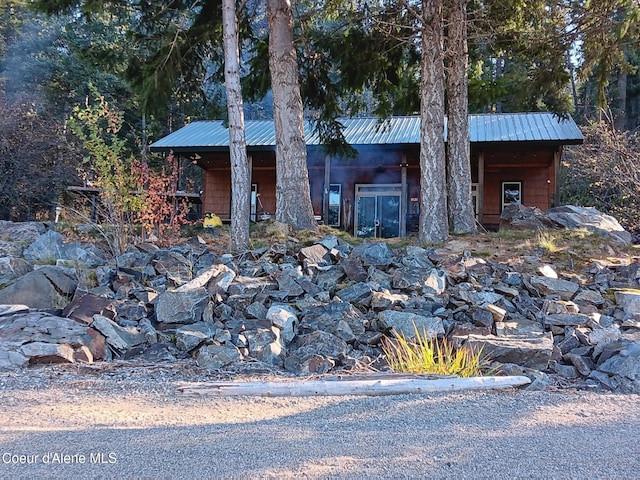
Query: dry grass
x,y
431,356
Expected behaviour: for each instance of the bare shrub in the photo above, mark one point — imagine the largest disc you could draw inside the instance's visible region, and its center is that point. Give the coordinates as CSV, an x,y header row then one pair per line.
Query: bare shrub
x,y
605,173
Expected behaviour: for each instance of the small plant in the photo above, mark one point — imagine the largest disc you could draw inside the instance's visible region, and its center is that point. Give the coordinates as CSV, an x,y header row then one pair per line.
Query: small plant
x,y
547,241
430,356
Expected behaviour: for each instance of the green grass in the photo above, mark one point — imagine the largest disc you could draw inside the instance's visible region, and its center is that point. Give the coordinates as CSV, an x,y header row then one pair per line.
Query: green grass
x,y
431,356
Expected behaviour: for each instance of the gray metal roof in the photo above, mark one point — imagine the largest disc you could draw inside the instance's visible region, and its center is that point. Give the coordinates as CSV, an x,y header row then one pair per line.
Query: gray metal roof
x,y
213,135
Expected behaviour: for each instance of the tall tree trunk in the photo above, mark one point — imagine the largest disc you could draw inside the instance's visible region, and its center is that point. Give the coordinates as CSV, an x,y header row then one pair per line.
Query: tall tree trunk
x,y
459,199
293,197
434,226
240,175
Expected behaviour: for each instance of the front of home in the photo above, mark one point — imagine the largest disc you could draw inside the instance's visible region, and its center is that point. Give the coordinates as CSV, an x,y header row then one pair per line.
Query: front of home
x,y
514,158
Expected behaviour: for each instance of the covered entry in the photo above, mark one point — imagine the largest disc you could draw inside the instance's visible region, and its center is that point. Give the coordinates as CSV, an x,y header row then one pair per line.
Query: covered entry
x,y
378,210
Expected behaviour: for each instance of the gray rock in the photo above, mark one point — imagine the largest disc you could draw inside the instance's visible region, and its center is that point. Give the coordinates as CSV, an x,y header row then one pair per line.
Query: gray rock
x,y
192,336
47,247
221,274
517,326
384,299
316,254
326,317
265,345
286,283
374,254
583,364
629,300
564,288
532,352
12,309
516,216
353,268
564,319
125,341
10,249
319,343
23,232
11,360
406,324
181,307
45,288
313,365
12,268
41,352
217,356
283,318
356,293
573,217
626,367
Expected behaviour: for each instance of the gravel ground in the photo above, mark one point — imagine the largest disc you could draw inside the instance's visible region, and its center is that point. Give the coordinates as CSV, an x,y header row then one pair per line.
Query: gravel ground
x,y
123,420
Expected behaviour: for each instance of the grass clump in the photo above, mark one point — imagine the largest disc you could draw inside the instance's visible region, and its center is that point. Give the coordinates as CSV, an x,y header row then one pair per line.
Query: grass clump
x,y
431,356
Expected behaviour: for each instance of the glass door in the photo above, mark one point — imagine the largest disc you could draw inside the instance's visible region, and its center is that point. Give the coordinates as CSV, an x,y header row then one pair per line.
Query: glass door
x,y
378,210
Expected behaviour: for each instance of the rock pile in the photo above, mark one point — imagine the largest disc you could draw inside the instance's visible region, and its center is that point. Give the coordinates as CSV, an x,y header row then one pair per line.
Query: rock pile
x,y
312,309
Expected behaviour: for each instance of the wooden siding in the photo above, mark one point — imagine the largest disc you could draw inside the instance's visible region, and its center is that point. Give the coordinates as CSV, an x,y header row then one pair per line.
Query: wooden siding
x,y
532,165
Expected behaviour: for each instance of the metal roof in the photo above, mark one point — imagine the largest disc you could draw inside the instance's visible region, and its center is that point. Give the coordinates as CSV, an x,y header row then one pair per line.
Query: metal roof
x,y
213,135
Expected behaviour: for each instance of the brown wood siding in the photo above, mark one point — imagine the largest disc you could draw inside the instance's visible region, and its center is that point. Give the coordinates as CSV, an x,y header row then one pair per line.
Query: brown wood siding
x,y
216,197
534,167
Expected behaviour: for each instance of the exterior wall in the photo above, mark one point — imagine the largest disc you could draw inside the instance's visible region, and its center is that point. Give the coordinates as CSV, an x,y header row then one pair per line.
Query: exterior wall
x,y
534,166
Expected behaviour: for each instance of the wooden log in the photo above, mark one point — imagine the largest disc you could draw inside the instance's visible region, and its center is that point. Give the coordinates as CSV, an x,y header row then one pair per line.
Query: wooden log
x,y
374,387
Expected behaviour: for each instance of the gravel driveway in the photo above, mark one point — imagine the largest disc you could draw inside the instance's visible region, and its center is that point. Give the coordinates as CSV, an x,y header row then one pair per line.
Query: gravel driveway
x,y
57,424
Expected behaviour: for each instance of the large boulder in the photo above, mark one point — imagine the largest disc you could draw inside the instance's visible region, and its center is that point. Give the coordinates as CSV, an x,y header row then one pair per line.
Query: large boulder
x,y
40,337
572,217
46,288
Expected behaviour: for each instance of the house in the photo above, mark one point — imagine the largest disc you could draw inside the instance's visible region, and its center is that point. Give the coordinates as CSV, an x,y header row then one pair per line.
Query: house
x,y
514,158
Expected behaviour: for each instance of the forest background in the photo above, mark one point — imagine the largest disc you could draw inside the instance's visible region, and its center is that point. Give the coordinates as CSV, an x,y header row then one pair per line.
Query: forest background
x,y
145,68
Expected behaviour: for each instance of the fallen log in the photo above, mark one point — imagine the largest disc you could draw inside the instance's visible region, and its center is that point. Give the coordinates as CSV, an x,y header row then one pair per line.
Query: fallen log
x,y
374,387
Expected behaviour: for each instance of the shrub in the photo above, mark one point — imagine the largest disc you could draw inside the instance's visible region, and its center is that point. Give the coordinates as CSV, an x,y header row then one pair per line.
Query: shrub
x,y
605,173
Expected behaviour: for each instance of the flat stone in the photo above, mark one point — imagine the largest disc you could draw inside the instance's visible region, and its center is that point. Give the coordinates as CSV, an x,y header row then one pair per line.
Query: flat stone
x,y
564,319
564,288
406,324
181,307
353,268
532,352
85,305
355,293
316,254
217,356
40,352
519,327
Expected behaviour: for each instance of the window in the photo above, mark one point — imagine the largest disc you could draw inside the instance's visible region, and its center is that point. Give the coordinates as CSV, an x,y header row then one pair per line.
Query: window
x,y
335,199
254,202
511,193
474,198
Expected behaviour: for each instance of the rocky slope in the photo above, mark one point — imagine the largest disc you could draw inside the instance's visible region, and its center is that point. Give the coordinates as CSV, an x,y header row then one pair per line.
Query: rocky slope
x,y
322,307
